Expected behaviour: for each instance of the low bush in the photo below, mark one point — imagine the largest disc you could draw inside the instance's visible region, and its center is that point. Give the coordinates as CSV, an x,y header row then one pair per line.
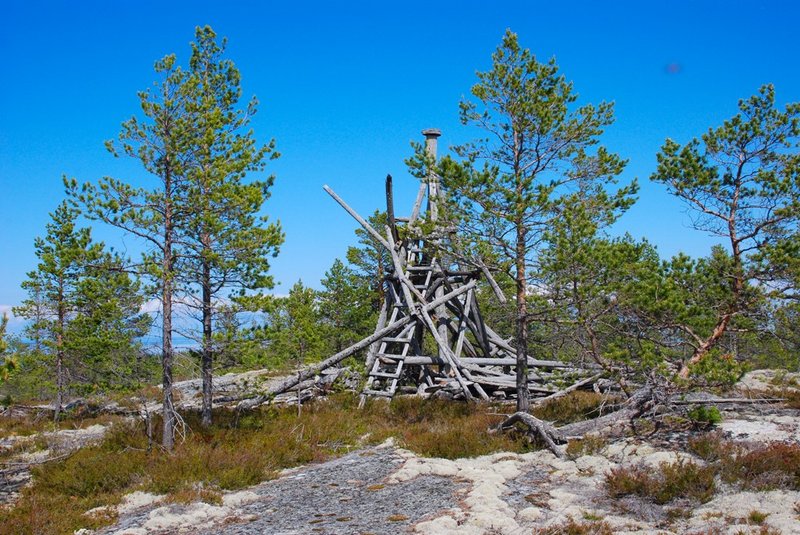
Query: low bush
x,y
774,466
682,479
573,527
711,446
705,415
588,445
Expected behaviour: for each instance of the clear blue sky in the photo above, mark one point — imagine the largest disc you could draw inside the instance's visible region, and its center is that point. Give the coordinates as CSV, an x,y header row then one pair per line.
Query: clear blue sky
x,y
345,86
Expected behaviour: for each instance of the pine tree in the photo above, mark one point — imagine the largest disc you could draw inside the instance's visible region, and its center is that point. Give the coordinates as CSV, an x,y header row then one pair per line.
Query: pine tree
x,y
740,182
538,148
7,362
229,244
83,307
292,328
162,142
369,260
345,307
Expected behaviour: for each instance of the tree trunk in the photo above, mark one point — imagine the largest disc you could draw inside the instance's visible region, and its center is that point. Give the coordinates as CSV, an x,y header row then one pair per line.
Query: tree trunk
x,y
207,358
62,320
523,395
168,412
59,402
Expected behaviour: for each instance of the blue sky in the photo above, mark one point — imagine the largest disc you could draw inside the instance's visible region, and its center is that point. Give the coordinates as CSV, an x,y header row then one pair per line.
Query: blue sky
x,y
344,87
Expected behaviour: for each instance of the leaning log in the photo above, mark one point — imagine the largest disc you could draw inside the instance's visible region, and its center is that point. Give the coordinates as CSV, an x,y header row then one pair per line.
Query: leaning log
x,y
363,222
341,355
552,436
632,408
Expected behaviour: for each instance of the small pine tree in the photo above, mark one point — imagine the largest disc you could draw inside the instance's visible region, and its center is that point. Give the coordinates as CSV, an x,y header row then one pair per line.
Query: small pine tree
x,y
83,307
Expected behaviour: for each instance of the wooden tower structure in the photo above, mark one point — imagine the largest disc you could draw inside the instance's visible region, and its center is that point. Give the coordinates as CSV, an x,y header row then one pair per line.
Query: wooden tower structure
x,y
430,333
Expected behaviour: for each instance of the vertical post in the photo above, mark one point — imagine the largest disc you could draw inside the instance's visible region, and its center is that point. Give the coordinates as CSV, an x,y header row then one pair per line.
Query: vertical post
x,y
431,142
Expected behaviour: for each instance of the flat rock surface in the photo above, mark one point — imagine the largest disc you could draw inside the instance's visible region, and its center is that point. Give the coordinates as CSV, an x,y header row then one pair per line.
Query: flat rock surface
x,y
388,490
348,495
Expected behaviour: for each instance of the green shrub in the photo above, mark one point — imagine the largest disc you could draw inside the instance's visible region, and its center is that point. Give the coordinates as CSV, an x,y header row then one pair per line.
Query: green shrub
x,y
703,414
588,445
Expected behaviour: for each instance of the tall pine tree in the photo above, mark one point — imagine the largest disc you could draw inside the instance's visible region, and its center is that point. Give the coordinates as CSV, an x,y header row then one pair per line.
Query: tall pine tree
x,y
162,142
537,148
229,243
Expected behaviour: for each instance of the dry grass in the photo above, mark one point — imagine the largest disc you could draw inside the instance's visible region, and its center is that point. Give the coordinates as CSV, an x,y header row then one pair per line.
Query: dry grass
x,y
573,527
43,423
196,493
240,451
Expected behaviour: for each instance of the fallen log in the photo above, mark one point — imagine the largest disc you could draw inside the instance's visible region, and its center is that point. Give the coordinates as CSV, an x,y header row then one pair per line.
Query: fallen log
x,y
630,409
537,428
572,388
726,401
553,436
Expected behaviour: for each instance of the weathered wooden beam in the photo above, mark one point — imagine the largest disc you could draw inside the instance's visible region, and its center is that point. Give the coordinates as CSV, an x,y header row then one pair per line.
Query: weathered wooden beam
x,y
418,203
390,208
492,282
373,347
510,383
726,401
571,388
426,360
374,233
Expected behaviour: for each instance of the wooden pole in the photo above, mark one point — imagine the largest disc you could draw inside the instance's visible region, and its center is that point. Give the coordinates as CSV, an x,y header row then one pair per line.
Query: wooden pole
x,y
374,233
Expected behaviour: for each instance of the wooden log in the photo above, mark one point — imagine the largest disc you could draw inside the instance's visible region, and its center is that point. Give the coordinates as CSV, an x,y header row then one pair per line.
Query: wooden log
x,y
572,388
462,326
538,428
341,355
481,326
390,208
374,233
510,383
480,361
493,283
632,408
418,203
373,347
726,401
